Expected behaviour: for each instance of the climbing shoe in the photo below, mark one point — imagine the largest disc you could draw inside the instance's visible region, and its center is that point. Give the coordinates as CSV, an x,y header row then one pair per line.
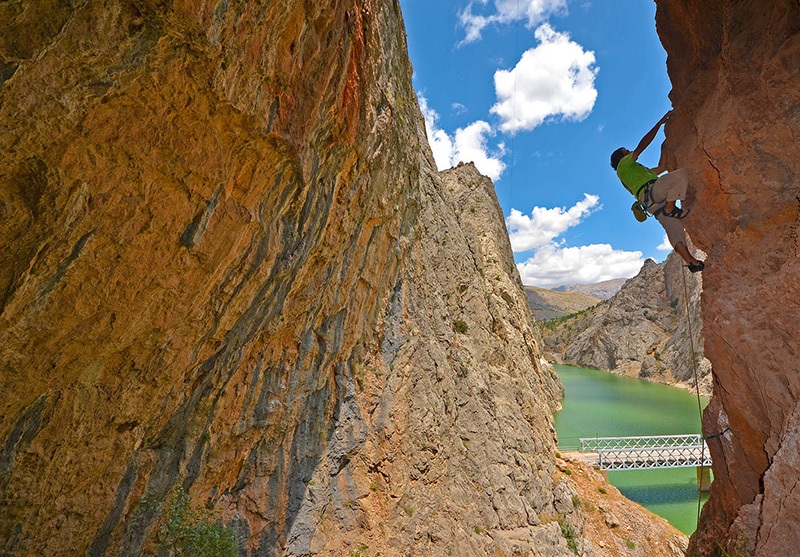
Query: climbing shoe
x,y
677,213
696,267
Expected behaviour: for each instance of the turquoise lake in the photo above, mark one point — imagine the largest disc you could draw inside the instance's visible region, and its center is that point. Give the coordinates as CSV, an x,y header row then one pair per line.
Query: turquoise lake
x,y
600,404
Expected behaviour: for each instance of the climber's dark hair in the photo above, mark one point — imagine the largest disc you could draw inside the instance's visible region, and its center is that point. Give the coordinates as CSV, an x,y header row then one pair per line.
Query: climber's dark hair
x,y
616,156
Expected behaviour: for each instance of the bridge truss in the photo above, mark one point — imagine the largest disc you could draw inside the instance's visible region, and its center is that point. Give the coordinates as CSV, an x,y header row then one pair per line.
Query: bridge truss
x,y
649,452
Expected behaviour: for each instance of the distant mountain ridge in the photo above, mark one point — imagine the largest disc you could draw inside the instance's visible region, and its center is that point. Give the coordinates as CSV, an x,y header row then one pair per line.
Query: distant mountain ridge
x,y
549,304
603,290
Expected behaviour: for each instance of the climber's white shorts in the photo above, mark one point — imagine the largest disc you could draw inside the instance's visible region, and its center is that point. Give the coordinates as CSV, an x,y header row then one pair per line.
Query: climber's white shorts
x,y
670,187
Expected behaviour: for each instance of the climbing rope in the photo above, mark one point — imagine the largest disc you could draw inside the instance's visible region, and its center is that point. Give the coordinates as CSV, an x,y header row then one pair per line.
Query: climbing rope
x,y
697,392
513,111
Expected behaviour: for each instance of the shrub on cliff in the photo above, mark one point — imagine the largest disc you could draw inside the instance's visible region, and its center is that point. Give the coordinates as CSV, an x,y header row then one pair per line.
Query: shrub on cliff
x,y
185,530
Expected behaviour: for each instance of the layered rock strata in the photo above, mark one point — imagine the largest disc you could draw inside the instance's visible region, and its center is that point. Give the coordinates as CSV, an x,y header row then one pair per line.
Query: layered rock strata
x,y
205,208
603,290
230,266
736,92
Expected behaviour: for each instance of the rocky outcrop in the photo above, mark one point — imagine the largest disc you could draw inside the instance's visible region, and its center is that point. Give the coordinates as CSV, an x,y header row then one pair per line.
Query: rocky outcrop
x,y
642,331
736,91
457,448
613,526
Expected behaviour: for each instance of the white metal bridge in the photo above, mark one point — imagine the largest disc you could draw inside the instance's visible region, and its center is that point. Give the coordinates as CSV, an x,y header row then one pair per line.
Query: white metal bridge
x,y
644,453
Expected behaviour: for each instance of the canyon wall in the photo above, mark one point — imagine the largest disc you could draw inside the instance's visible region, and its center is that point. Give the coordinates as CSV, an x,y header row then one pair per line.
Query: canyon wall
x,y
735,71
204,210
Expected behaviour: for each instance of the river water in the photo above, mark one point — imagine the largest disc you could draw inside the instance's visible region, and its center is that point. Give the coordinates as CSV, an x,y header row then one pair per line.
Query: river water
x,y
601,404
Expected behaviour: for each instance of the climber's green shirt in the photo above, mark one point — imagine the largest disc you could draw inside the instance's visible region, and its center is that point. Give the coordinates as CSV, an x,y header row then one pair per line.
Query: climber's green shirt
x,y
634,175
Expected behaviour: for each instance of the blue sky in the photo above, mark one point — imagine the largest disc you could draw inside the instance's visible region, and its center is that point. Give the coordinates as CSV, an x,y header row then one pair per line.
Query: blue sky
x,y
538,93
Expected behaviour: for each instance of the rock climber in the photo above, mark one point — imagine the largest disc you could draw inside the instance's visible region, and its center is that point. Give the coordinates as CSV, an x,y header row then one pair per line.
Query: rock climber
x,y
657,194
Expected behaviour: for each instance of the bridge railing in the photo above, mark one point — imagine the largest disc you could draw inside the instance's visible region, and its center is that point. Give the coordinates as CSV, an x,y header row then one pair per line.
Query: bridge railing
x,y
594,444
654,451
663,457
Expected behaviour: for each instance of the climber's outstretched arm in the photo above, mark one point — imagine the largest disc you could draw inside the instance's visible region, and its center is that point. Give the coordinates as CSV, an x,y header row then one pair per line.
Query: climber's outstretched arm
x,y
649,137
662,162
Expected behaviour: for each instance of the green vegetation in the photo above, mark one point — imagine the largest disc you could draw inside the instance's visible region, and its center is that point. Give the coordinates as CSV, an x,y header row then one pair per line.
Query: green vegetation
x,y
569,533
602,490
556,322
363,551
740,550
360,380
460,326
631,544
184,529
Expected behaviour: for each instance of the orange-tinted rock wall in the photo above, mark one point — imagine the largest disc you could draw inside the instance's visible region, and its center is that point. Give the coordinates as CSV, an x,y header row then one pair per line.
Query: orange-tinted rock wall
x,y
201,206
735,71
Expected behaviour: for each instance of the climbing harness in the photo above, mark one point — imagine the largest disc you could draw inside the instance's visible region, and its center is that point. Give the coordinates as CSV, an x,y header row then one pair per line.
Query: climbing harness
x,y
645,188
644,200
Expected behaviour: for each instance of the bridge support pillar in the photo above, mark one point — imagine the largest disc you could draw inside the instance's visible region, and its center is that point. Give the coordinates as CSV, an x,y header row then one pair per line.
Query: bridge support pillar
x,y
703,478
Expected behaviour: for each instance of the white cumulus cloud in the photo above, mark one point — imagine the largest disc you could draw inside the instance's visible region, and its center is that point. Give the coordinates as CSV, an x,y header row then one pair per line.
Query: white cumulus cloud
x,y
468,144
544,225
507,11
554,79
552,263
554,266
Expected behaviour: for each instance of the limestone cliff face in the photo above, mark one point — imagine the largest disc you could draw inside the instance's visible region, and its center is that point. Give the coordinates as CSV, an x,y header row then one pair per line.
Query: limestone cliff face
x,y
229,264
205,206
456,454
735,70
642,331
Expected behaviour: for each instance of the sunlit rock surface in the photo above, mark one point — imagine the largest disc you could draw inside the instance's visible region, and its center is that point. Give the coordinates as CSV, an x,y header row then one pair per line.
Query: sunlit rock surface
x,y
205,208
735,70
